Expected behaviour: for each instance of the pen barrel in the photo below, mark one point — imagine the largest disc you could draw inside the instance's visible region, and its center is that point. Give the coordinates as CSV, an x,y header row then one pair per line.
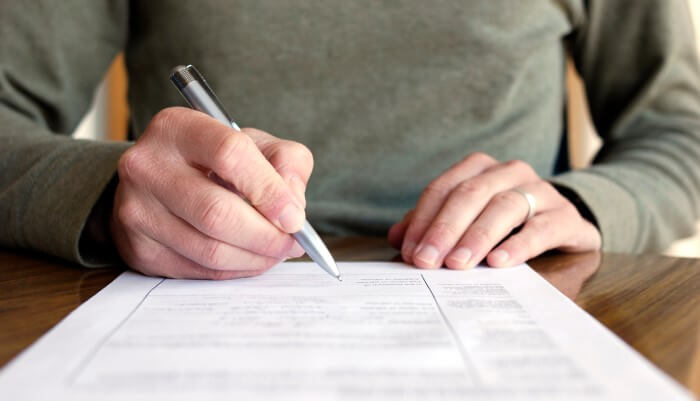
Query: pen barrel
x,y
316,249
196,91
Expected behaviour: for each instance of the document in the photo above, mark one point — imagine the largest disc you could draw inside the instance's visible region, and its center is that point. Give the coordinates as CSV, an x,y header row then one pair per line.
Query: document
x,y
386,332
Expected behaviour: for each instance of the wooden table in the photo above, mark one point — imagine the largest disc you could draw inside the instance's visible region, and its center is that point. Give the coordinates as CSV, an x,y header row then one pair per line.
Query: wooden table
x,y
651,302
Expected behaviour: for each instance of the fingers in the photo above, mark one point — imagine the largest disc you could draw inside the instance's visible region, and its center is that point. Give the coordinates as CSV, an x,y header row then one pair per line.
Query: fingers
x,y
464,214
398,230
233,156
292,160
171,245
504,212
213,210
434,195
182,238
150,257
562,228
458,210
206,198
164,262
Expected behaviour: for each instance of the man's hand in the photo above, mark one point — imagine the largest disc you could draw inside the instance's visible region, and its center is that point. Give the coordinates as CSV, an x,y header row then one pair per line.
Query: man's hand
x,y
465,214
197,199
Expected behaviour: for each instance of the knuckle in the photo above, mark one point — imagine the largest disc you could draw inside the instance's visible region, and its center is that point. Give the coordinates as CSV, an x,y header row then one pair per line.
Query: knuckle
x,y
471,189
300,153
290,155
443,232
163,120
515,163
265,192
132,164
213,212
436,188
479,158
508,199
481,235
257,134
212,255
520,166
131,214
143,255
228,151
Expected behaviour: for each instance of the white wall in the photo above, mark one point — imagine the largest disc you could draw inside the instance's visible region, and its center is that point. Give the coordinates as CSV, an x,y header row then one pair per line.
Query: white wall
x,y
94,123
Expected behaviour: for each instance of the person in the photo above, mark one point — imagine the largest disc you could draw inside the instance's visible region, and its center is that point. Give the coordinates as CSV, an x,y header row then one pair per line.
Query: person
x,y
451,111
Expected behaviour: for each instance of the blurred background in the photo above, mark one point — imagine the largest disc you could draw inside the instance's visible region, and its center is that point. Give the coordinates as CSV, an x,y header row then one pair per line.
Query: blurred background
x,y
108,120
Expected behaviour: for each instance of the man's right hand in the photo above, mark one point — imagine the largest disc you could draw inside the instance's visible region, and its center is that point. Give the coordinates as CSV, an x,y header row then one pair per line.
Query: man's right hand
x,y
171,219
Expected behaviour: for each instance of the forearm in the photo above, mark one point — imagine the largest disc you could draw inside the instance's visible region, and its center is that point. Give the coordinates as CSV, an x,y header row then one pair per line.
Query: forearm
x,y
48,186
642,76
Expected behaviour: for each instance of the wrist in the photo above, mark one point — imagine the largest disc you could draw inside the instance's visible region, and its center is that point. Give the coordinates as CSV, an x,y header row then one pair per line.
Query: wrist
x,y
578,203
96,244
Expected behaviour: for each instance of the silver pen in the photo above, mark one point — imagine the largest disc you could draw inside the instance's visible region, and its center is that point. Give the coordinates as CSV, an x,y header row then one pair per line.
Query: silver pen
x,y
195,89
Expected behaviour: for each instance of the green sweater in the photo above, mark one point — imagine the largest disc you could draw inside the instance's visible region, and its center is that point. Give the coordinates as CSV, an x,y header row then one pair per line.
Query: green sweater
x,y
387,94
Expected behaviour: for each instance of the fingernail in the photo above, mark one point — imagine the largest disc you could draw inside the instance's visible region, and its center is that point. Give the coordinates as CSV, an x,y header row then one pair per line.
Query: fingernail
x,y
427,254
291,219
298,189
500,256
461,256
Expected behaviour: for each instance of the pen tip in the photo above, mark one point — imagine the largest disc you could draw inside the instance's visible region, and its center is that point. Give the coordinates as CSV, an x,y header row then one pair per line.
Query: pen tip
x,y
339,278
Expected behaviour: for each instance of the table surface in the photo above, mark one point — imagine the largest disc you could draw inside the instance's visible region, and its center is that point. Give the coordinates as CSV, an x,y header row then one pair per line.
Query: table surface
x,y
651,302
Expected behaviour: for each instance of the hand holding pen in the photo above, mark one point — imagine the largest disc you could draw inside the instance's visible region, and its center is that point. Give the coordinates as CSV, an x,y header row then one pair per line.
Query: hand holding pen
x,y
170,219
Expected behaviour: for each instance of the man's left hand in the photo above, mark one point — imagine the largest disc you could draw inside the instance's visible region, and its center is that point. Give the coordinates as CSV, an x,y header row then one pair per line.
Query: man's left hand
x,y
468,213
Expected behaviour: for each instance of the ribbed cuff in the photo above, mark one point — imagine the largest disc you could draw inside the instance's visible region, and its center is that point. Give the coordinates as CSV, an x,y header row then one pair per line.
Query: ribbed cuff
x,y
92,243
614,209
68,183
95,247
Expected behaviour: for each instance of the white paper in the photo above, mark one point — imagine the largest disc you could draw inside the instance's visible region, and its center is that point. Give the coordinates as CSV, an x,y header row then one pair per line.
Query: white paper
x,y
387,332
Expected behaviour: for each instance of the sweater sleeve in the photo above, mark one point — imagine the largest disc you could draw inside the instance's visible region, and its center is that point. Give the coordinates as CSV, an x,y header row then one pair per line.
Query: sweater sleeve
x,y
52,56
640,68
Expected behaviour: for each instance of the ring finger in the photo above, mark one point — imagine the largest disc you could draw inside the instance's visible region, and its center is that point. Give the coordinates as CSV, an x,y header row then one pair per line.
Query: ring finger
x,y
434,196
504,212
460,209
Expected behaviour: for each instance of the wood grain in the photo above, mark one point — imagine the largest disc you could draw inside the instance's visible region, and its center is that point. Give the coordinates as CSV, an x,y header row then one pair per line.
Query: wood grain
x,y
651,302
36,292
